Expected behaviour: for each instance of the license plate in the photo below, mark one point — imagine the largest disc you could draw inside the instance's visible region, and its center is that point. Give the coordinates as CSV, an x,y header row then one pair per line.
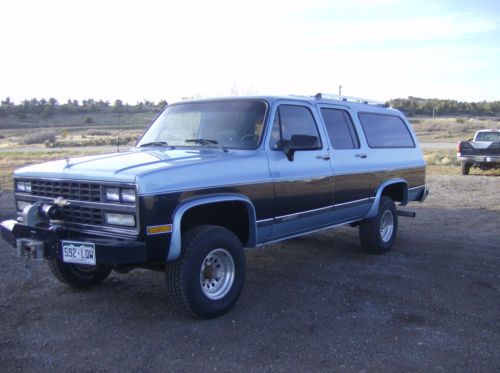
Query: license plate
x,y
78,252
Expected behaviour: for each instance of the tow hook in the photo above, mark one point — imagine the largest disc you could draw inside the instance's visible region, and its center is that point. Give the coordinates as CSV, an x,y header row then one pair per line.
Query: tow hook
x,y
408,214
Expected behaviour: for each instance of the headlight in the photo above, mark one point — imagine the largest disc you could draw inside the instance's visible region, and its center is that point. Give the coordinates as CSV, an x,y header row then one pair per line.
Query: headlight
x,y
128,195
120,219
120,195
113,195
23,186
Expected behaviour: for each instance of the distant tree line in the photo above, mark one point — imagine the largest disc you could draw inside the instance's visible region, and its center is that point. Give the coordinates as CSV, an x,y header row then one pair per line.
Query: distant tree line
x,y
46,108
413,106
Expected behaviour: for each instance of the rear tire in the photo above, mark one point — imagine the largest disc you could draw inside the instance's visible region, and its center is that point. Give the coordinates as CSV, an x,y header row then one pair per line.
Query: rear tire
x,y
465,167
377,235
78,276
207,279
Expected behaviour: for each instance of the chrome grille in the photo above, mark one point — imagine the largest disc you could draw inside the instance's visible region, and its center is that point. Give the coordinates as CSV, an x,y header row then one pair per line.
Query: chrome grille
x,y
86,204
76,191
82,215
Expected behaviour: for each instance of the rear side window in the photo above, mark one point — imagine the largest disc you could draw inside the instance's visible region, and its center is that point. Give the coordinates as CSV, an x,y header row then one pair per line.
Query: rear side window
x,y
292,120
488,136
340,129
385,131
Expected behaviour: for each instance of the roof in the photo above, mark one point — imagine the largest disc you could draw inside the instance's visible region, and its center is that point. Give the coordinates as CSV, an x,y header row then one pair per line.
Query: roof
x,y
358,104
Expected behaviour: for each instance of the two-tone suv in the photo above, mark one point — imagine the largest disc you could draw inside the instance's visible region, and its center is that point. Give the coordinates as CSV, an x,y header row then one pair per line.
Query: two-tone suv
x,y
211,177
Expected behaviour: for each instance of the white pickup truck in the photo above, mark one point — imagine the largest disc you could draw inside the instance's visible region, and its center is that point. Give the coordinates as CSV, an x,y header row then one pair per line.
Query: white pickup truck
x,y
482,152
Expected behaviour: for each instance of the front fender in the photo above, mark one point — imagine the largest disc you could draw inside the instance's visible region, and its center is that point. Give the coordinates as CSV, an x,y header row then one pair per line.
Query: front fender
x,y
176,240
374,209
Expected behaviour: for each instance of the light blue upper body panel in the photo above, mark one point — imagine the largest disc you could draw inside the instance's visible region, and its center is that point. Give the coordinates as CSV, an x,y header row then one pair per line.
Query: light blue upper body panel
x,y
165,169
159,170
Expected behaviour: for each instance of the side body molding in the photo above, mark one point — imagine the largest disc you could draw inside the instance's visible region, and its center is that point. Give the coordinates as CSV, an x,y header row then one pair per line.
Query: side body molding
x,y
175,242
374,209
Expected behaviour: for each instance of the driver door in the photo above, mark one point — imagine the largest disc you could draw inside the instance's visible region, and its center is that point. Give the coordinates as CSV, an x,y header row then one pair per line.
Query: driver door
x,y
303,186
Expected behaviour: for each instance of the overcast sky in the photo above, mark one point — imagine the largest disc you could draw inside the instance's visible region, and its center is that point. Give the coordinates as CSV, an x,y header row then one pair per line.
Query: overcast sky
x,y
136,50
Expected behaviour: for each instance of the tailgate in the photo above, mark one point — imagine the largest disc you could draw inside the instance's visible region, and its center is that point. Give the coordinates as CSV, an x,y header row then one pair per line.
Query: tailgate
x,y
480,148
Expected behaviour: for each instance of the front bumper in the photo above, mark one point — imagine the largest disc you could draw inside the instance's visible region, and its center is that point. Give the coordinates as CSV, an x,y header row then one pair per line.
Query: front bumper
x,y
112,252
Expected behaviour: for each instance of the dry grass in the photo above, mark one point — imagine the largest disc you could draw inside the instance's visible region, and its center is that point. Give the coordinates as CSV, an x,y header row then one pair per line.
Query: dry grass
x,y
445,162
450,129
455,170
13,160
98,133
441,158
39,137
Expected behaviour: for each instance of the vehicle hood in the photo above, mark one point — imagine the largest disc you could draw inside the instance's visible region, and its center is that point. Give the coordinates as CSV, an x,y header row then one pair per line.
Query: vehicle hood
x,y
151,169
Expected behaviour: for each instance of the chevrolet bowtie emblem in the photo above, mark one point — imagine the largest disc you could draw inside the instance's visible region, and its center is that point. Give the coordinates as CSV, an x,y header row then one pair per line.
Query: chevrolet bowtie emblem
x,y
61,202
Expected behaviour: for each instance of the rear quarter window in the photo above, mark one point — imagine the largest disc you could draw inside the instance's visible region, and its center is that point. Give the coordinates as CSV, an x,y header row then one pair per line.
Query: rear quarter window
x,y
385,131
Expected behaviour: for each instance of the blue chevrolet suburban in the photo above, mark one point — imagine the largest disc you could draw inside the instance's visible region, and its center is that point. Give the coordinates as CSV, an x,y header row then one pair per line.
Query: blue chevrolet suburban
x,y
211,177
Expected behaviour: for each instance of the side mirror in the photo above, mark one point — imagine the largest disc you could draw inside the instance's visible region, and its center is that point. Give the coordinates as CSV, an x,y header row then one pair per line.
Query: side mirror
x,y
300,142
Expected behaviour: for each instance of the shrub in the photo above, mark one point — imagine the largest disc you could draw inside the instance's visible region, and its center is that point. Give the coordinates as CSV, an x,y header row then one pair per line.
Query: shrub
x,y
88,120
39,137
98,133
441,158
460,120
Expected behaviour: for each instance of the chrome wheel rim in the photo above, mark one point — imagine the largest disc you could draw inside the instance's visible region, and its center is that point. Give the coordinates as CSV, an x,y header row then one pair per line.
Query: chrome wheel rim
x,y
217,274
386,225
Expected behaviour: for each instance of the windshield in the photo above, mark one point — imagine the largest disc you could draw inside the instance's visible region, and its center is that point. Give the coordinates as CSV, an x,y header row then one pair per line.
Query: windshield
x,y
226,124
488,136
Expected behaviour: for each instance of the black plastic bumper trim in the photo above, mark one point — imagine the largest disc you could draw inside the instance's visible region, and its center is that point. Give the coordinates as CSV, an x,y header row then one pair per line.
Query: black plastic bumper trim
x,y
108,251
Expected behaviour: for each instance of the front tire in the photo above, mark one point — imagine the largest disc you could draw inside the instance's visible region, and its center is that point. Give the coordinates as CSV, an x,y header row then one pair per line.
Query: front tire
x,y
465,167
207,279
377,235
78,276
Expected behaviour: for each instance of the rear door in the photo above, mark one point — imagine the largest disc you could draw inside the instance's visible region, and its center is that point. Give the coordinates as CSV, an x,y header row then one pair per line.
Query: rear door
x,y
349,161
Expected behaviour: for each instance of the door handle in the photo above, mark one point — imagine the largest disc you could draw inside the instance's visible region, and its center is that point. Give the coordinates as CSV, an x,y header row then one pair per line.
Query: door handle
x,y
362,155
323,157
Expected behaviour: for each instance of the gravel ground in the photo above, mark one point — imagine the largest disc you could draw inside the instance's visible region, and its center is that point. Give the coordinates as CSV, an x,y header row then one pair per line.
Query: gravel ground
x,y
315,303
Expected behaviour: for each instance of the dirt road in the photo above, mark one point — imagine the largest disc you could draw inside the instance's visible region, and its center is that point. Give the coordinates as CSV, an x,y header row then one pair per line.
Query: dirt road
x,y
316,303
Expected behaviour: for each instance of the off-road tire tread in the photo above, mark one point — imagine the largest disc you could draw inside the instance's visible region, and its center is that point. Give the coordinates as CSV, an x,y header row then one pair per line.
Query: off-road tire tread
x,y
465,166
369,230
175,283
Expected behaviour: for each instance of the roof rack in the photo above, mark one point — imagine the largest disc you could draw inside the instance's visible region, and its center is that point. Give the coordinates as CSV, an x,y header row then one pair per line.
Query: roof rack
x,y
320,95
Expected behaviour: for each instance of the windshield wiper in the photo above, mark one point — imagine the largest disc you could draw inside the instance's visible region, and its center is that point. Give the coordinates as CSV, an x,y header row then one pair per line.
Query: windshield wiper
x,y
202,141
154,143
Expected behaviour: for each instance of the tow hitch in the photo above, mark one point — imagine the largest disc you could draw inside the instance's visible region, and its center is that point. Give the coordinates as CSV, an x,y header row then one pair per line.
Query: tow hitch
x,y
408,214
31,250
26,247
